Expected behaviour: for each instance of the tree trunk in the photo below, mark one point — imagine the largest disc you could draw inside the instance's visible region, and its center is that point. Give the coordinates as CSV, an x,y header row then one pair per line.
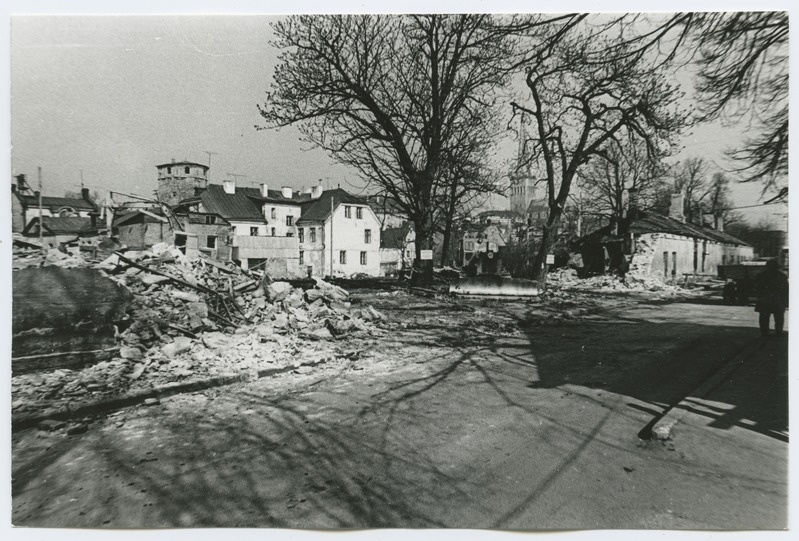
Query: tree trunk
x,y
547,241
423,269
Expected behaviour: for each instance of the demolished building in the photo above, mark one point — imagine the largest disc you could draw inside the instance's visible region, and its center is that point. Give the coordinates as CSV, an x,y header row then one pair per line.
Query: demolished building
x,y
667,247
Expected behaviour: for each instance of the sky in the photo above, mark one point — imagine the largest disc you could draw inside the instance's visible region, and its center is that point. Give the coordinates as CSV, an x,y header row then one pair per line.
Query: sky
x,y
102,100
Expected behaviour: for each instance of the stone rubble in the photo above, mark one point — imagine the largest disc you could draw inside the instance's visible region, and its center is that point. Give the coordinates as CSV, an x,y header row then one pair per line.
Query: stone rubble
x,y
199,319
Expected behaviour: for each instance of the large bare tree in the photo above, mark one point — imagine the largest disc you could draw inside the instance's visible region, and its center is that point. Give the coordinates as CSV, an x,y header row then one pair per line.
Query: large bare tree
x,y
608,180
742,78
398,98
586,92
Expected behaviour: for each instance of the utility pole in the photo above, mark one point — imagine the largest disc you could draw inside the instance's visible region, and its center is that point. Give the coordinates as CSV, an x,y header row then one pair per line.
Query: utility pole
x,y
209,161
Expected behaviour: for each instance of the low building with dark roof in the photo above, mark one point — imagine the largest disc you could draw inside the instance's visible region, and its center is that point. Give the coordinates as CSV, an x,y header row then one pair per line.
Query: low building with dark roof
x,y
25,205
664,246
56,230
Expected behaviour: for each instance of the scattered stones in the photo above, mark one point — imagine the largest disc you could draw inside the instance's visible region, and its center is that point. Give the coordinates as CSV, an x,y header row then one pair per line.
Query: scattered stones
x,y
151,401
77,429
180,345
277,291
51,425
130,353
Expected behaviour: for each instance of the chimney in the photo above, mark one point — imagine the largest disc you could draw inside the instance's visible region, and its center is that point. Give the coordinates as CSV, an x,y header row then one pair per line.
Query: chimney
x,y
173,160
718,222
316,191
229,186
84,193
264,191
36,194
306,190
287,192
676,210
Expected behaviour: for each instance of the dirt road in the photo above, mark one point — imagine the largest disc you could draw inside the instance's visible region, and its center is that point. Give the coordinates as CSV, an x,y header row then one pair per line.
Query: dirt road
x,y
473,414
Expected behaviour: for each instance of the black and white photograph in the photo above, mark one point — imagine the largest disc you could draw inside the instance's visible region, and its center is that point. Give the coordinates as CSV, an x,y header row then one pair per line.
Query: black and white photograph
x,y
512,268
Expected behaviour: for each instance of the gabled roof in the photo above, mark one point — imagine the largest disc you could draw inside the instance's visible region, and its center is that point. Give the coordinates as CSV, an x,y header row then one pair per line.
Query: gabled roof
x,y
152,215
394,237
56,203
56,225
244,204
652,222
317,210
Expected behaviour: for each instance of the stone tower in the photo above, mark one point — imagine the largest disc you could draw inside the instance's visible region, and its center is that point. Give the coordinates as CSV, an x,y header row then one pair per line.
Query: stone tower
x,y
178,180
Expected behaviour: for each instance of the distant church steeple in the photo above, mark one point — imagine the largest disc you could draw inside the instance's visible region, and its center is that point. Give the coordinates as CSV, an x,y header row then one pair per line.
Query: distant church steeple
x,y
522,183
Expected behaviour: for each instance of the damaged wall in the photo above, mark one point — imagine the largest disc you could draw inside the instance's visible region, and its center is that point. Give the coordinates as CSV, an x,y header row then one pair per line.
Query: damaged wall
x,y
674,255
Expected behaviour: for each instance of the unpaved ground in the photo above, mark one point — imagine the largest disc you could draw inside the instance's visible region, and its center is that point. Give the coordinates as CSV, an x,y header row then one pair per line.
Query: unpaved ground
x,y
468,414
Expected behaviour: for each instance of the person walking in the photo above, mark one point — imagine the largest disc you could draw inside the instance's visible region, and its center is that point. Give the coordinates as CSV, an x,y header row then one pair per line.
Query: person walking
x,y
772,297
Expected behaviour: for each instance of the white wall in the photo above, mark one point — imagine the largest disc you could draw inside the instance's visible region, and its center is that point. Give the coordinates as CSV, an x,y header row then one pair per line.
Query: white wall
x,y
348,235
243,228
279,221
715,254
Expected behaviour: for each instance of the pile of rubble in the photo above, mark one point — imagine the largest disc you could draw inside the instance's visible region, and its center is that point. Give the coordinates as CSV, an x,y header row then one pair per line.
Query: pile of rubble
x,y
193,319
567,279
35,257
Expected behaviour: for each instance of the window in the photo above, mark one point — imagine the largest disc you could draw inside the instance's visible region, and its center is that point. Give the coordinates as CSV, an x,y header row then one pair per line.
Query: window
x,y
210,220
665,263
723,259
347,212
274,213
367,236
313,234
180,242
289,233
468,246
187,170
253,231
168,170
256,264
301,234
273,231
289,220
363,258
302,257
342,257
210,242
359,213
674,263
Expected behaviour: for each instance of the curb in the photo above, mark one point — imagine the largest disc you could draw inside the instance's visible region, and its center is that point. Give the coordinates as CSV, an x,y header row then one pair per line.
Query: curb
x,y
24,421
662,428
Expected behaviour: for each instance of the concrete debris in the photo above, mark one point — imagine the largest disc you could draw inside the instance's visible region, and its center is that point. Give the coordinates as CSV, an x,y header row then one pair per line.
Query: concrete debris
x,y
194,319
567,279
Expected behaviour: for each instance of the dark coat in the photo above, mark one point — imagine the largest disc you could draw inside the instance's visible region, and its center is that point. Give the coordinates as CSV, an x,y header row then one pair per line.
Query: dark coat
x,y
772,291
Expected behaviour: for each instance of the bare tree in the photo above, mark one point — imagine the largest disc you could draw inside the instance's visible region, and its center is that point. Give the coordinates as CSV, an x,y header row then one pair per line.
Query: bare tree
x,y
624,166
742,61
396,97
744,77
587,91
691,178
